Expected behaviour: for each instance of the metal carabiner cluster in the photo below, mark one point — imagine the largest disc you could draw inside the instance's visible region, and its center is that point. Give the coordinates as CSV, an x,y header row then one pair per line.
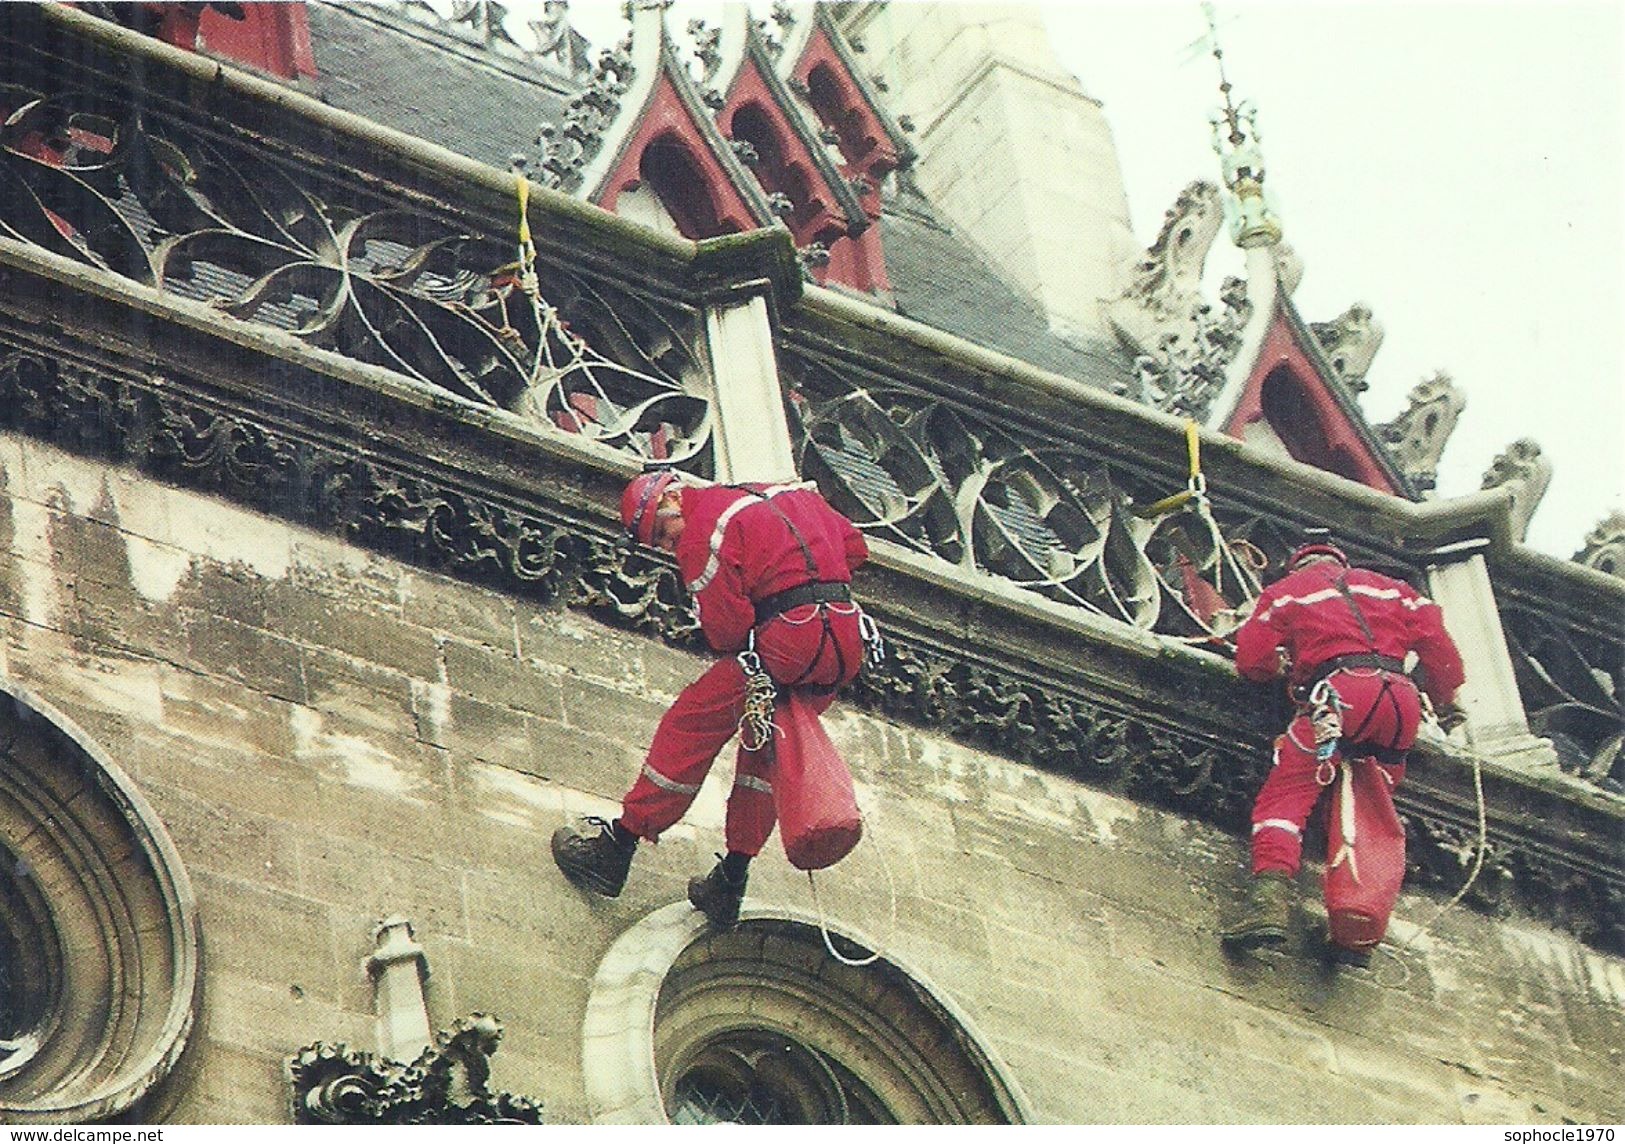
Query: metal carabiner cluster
x,y
874,643
756,722
1326,717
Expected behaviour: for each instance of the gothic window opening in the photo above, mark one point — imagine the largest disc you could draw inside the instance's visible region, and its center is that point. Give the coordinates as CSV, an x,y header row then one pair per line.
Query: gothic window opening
x,y
750,1076
773,169
760,1025
26,976
1292,415
835,111
671,171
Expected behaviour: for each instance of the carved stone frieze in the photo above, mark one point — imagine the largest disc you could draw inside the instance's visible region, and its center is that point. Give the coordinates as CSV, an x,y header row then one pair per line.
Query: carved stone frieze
x,y
448,1084
1350,340
1522,467
1417,437
411,515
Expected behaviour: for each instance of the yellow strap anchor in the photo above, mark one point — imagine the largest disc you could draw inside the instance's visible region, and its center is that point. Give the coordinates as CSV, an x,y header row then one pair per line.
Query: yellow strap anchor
x,y
1195,488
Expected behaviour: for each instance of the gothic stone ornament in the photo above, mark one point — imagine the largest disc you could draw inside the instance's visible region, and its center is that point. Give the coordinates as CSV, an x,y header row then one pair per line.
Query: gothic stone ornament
x,y
448,1084
1417,437
1165,288
1604,548
1183,345
1521,466
1351,340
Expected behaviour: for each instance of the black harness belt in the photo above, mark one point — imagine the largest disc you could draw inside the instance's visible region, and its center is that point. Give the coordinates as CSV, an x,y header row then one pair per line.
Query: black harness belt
x,y
818,592
1357,660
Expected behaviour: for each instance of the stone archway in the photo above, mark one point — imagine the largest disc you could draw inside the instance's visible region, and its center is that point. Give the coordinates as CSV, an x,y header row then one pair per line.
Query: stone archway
x,y
759,1024
100,979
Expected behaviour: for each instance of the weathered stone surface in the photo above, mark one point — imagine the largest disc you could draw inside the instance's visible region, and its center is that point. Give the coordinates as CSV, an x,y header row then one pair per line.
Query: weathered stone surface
x,y
497,678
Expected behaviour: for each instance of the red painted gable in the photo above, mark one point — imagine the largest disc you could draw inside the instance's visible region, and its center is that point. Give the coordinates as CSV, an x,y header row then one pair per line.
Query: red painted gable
x,y
669,153
274,38
1287,393
867,154
271,37
784,165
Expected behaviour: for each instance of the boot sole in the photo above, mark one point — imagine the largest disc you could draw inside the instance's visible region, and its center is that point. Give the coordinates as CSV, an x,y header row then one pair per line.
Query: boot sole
x,y
727,921
585,877
1253,939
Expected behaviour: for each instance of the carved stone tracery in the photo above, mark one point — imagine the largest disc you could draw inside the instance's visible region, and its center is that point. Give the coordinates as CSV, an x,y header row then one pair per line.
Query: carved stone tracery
x,y
940,479
186,212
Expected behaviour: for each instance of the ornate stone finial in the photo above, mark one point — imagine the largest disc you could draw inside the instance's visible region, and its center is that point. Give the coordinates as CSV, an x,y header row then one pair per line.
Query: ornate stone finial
x,y
1417,437
1183,345
1522,467
813,256
1241,157
448,1083
485,17
399,968
566,148
1288,267
706,47
1350,340
1604,548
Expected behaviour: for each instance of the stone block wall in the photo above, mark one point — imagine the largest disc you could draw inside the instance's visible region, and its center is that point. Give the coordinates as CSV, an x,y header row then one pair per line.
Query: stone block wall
x,y
332,737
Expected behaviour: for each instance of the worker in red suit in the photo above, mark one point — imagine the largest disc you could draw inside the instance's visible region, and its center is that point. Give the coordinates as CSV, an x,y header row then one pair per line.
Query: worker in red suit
x,y
770,570
1342,635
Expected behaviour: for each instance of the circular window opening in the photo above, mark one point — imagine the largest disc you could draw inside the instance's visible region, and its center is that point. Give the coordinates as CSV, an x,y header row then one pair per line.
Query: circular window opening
x,y
761,1025
30,976
99,980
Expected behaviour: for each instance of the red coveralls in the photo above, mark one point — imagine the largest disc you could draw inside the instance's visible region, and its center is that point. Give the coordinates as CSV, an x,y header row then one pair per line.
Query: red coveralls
x,y
1306,614
738,546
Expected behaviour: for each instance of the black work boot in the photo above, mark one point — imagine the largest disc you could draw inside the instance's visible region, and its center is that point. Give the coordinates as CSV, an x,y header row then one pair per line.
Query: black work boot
x,y
718,894
1336,954
592,857
1263,917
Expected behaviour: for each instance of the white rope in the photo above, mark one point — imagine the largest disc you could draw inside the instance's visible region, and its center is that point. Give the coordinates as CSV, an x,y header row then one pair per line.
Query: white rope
x,y
823,925
1478,865
1478,862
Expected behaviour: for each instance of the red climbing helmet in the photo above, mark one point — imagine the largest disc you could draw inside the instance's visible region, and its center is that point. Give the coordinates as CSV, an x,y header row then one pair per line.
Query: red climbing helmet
x,y
641,500
1316,542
